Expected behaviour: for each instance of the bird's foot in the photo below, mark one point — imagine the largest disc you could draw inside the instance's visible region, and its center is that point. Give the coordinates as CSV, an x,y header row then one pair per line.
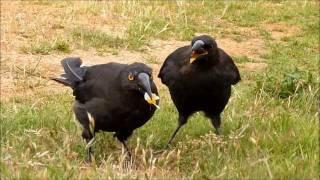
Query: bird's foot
x,y
88,159
127,164
89,150
127,161
128,155
90,156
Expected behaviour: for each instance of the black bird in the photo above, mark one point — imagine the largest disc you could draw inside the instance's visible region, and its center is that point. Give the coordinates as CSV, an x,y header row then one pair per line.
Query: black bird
x,y
110,97
199,78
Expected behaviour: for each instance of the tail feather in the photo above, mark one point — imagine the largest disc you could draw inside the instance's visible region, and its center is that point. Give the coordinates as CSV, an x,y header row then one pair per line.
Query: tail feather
x,y
73,72
62,81
72,69
64,76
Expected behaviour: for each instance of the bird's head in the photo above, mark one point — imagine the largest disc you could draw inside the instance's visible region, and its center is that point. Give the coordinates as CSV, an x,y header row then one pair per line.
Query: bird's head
x,y
138,77
202,46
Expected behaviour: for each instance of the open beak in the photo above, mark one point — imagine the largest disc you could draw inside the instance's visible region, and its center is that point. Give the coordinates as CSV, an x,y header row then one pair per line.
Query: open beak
x,y
195,55
150,97
197,50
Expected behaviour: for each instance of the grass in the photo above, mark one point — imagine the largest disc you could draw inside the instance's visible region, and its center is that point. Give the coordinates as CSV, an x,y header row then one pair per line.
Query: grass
x,y
47,47
97,39
270,126
242,59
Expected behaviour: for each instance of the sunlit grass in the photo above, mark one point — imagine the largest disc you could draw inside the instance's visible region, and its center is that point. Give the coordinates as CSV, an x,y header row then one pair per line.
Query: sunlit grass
x,y
269,128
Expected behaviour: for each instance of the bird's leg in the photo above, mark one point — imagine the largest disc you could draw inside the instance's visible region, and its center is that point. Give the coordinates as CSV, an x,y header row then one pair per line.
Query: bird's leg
x,y
173,135
182,121
90,131
216,122
127,161
89,149
89,138
126,148
122,137
217,131
87,123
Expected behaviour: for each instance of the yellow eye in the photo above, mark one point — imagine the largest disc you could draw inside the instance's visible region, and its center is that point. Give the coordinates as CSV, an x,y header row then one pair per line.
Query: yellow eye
x,y
130,77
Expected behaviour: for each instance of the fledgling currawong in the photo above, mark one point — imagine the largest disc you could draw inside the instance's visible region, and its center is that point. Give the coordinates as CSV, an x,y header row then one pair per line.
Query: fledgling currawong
x,y
199,78
110,97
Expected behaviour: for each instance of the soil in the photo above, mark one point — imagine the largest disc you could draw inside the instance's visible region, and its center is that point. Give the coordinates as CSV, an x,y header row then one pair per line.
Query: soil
x,y
20,25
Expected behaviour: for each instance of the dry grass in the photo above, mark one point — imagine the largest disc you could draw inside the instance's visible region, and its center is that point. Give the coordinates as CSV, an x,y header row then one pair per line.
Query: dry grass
x,y
270,126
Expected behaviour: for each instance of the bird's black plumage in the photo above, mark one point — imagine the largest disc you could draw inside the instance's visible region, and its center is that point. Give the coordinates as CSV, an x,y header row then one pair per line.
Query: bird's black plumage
x,y
109,97
200,85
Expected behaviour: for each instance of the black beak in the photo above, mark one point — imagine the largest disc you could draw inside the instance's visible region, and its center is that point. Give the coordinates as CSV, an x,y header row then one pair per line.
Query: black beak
x,y
144,80
197,50
198,45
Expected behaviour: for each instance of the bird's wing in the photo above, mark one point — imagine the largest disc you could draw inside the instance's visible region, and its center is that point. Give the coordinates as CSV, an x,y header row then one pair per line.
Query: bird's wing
x,y
173,63
228,69
100,80
97,107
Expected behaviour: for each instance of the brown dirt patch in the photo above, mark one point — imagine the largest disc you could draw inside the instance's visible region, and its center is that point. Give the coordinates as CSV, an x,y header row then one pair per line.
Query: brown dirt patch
x,y
252,48
250,44
49,66
161,49
18,77
23,23
281,30
250,66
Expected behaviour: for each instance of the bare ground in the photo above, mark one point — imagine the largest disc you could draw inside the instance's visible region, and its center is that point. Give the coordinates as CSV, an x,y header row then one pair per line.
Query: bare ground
x,y
22,24
49,65
281,30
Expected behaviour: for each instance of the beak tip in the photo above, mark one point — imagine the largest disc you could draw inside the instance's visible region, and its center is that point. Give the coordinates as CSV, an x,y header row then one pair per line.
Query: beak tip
x,y
152,100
